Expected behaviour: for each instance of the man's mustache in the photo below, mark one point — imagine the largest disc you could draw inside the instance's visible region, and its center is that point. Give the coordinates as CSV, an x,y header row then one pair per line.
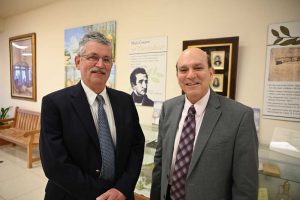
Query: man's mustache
x,y
98,70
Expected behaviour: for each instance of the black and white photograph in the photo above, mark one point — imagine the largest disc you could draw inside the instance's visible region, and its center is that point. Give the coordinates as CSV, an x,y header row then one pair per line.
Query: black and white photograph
x,y
217,59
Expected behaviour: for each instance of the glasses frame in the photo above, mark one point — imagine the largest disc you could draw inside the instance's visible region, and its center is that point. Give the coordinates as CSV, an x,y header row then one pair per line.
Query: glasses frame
x,y
94,61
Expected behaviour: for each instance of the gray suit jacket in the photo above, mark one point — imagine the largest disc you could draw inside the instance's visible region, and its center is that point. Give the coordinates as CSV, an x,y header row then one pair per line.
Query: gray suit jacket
x,y
225,158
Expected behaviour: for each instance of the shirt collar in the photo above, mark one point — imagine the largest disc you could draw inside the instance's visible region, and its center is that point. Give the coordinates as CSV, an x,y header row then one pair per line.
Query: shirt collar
x,y
91,95
199,105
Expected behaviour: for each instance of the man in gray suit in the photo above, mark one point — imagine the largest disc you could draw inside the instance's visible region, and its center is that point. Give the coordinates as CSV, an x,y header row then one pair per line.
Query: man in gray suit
x,y
223,163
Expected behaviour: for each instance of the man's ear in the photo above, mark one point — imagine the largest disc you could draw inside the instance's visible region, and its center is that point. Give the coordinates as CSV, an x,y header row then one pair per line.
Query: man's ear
x,y
212,71
77,61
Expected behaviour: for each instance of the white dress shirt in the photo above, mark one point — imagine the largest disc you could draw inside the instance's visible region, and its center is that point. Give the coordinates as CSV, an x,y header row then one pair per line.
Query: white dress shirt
x,y
91,96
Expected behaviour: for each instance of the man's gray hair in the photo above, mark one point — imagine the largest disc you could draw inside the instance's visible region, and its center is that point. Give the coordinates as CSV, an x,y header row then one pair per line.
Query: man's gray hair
x,y
92,36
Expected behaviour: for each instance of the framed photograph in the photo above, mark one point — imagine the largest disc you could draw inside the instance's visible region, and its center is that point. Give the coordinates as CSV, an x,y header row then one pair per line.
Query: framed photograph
x,y
217,82
22,50
217,59
223,54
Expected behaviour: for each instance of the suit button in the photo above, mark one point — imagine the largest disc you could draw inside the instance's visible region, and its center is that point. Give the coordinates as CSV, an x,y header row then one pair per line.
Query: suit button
x,y
164,196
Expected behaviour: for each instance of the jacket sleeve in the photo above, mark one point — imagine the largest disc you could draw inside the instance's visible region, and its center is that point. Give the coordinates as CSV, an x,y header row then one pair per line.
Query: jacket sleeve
x,y
131,143
245,161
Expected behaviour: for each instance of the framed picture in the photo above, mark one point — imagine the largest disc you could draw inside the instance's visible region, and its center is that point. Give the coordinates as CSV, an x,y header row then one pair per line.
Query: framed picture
x,y
22,51
217,82
223,54
217,59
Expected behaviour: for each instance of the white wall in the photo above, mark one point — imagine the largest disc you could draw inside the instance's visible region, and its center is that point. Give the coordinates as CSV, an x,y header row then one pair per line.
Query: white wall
x,y
178,20
1,25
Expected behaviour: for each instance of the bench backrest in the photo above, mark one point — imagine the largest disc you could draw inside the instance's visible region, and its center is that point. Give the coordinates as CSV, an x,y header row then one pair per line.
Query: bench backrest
x,y
27,120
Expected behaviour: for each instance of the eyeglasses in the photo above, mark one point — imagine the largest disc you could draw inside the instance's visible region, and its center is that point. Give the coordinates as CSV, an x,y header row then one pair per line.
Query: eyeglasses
x,y
94,59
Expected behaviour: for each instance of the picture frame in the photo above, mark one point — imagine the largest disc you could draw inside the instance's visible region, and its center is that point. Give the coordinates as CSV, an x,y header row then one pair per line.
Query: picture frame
x,y
217,83
223,56
22,50
217,59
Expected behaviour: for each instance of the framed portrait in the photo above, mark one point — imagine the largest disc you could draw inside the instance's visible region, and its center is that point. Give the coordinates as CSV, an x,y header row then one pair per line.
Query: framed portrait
x,y
223,54
217,59
217,82
22,50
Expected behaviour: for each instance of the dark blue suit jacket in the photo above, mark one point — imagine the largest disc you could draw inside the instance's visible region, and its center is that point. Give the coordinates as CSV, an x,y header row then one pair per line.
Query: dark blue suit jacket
x,y
70,149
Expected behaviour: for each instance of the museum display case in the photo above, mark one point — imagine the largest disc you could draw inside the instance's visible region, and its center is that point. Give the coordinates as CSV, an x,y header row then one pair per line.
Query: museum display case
x,y
279,174
143,185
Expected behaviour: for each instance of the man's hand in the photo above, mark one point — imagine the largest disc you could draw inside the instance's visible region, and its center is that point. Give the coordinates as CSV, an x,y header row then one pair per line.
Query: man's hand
x,y
112,194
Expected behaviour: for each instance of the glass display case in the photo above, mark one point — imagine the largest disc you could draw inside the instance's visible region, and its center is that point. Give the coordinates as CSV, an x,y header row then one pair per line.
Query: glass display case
x,y
282,182
143,185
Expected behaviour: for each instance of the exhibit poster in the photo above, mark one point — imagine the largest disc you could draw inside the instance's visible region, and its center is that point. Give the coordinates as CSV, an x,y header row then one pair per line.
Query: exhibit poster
x,y
148,64
282,76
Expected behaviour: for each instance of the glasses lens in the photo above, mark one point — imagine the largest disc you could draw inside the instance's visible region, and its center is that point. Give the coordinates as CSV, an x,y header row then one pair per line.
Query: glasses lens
x,y
95,59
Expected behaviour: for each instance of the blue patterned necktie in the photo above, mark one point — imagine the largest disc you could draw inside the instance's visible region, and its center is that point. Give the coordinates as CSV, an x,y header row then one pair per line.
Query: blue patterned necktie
x,y
106,143
183,156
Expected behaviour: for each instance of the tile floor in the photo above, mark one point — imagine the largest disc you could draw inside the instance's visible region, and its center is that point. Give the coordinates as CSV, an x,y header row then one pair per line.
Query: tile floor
x,y
17,182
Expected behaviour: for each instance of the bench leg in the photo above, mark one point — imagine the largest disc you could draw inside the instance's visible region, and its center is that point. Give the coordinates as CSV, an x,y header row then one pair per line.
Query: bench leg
x,y
29,156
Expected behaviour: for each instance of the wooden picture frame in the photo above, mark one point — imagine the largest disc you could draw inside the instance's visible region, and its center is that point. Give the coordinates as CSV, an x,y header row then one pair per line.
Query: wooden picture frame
x,y
22,50
223,54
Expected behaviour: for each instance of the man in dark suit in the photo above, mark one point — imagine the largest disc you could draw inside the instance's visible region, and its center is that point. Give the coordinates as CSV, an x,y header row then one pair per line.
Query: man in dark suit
x,y
70,135
222,159
139,84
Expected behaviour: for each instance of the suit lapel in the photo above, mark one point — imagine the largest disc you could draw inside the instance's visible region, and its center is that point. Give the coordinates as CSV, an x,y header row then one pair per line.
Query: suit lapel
x,y
211,116
82,109
175,115
116,112
117,115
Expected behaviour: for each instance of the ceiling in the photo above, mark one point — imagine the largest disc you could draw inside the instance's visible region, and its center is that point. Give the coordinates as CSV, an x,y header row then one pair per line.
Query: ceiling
x,y
10,8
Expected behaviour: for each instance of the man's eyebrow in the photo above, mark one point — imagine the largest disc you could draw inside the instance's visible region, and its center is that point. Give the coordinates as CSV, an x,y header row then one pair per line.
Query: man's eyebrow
x,y
199,65
194,65
181,66
92,54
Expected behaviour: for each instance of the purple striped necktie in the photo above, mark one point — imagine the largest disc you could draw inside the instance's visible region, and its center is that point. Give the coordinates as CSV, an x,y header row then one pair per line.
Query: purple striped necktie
x,y
183,156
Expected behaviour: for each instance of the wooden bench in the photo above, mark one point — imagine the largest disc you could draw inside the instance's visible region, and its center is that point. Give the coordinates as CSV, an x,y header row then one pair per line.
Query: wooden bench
x,y
4,126
23,130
